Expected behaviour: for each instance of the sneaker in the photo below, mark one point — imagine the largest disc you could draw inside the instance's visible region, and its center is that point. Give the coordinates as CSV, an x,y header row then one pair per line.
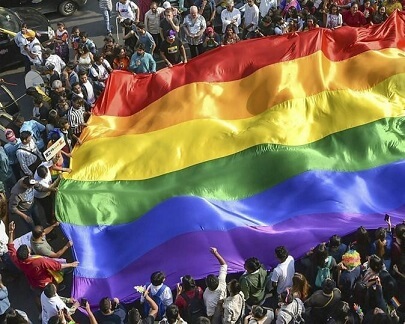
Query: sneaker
x,y
109,34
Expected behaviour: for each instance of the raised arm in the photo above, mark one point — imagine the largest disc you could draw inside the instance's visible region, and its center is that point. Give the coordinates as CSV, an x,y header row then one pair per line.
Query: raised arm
x,y
153,306
218,256
90,314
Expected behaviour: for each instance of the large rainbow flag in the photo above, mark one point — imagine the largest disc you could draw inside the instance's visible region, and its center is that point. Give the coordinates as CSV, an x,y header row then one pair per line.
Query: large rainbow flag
x,y
275,141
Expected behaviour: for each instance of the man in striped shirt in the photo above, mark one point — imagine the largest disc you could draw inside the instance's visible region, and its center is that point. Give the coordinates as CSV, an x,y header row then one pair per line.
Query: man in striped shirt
x,y
76,116
28,154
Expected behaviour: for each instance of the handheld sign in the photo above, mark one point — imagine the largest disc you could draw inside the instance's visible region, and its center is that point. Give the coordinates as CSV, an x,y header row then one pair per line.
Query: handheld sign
x,y
54,149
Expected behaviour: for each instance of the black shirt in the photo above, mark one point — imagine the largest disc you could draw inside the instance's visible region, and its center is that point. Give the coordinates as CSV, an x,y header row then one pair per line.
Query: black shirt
x,y
165,25
172,51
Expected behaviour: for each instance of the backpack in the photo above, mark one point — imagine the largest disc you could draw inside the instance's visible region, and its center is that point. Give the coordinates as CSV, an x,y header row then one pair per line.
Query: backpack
x,y
195,307
323,273
297,318
97,69
159,302
32,167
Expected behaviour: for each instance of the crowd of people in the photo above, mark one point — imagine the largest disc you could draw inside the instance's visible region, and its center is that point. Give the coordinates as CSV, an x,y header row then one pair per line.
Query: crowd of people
x,y
359,282
163,33
363,282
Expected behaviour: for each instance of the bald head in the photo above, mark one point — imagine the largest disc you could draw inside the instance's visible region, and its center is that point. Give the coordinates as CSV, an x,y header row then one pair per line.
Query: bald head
x,y
193,11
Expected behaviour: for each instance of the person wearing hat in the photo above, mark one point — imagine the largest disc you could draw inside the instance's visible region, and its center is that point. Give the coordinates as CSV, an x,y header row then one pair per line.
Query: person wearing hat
x,y
167,6
172,50
349,273
211,39
34,48
21,205
194,27
10,148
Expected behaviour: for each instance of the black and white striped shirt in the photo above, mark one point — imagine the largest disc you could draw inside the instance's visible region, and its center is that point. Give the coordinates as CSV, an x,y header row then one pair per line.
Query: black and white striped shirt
x,y
75,119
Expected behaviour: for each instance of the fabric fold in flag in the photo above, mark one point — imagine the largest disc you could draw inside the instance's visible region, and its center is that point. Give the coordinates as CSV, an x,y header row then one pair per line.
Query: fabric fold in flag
x,y
298,135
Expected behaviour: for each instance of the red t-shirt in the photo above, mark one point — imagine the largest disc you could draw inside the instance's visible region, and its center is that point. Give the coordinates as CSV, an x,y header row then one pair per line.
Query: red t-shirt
x,y
35,268
181,302
355,20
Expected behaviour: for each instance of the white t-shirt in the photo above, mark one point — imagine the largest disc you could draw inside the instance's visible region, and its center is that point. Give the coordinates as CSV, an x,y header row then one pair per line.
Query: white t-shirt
x,y
24,239
91,98
126,10
57,62
46,182
101,71
210,297
166,296
228,16
283,274
35,48
251,16
50,307
265,6
3,238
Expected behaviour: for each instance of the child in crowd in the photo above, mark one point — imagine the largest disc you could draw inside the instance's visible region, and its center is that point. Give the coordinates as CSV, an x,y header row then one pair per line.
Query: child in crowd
x,y
75,39
61,42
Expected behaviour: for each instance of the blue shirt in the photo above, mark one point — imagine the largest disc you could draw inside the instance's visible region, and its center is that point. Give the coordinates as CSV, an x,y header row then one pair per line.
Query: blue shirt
x,y
36,129
147,40
142,63
11,150
4,302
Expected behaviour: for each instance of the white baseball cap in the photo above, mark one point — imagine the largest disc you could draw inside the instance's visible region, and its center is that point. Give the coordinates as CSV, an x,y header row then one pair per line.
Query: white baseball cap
x,y
166,5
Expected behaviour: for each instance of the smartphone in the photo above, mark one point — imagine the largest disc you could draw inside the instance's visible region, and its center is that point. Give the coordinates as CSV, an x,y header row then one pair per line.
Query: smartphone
x,y
83,302
387,218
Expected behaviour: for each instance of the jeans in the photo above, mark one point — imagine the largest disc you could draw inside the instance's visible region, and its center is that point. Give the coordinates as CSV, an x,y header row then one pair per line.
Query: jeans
x,y
196,50
107,17
158,42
